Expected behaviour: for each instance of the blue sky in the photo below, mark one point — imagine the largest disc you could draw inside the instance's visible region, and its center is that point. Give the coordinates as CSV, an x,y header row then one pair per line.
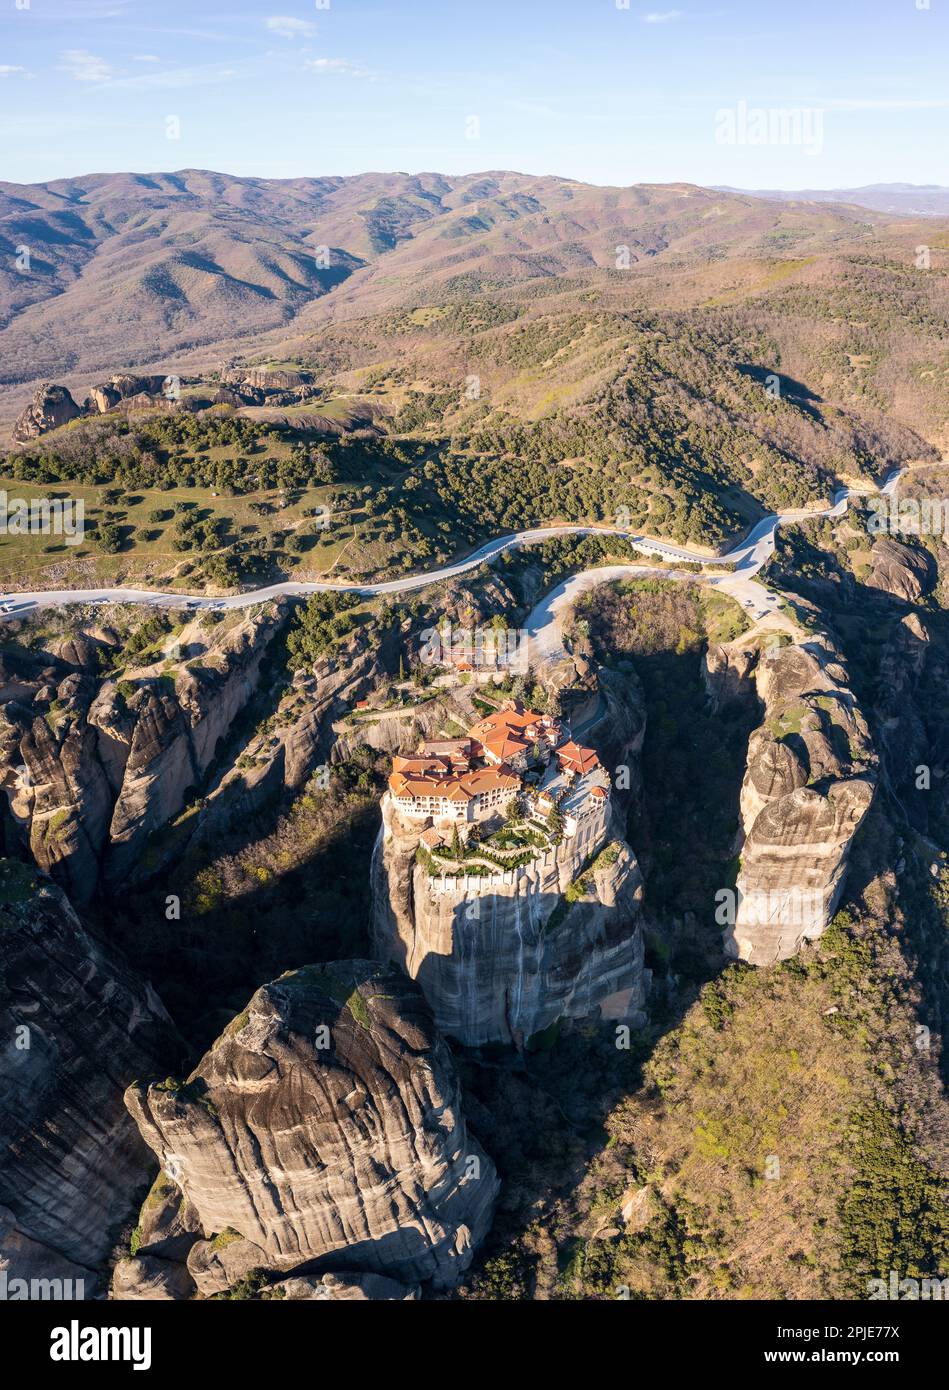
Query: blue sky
x,y
590,89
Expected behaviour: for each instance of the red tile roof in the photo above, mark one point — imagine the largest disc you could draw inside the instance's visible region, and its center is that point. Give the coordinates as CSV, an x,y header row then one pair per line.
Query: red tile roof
x,y
454,788
511,730
574,758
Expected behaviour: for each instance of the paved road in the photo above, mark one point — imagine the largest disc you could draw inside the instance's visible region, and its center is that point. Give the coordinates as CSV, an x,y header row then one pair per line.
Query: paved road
x,y
747,556
545,623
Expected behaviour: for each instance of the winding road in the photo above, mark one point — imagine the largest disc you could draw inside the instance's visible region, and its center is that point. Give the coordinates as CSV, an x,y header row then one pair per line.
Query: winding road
x,y
747,557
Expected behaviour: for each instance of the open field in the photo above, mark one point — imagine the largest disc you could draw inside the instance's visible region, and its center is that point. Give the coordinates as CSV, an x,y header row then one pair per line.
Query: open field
x,y
146,519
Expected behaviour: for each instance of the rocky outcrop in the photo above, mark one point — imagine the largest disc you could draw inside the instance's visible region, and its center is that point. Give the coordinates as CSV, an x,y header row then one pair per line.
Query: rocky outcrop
x,y
808,783
79,1027
177,734
265,378
345,1288
282,755
57,789
900,570
54,405
93,767
143,1278
128,384
911,722
728,674
321,1132
101,399
50,407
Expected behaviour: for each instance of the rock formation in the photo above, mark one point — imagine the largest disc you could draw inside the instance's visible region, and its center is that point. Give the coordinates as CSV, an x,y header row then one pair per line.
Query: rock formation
x,y
50,407
351,1288
504,955
728,674
808,783
56,786
900,570
102,398
302,734
93,767
175,734
321,1132
54,405
78,1027
911,724
265,378
128,384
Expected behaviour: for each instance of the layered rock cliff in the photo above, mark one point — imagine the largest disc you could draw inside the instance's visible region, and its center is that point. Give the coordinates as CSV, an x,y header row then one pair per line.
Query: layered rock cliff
x,y
809,781
910,722
79,1026
93,767
177,732
321,1132
304,732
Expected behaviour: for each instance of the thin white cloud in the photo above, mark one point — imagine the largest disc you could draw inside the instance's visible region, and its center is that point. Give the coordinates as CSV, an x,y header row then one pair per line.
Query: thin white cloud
x,y
883,103
81,10
287,27
534,108
9,70
83,66
340,65
662,16
145,58
209,75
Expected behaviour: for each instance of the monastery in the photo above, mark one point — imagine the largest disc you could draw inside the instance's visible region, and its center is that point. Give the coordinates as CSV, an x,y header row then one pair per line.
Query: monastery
x,y
513,753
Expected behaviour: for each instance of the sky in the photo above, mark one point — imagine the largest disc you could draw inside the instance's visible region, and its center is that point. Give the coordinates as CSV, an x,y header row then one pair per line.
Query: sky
x,y
812,94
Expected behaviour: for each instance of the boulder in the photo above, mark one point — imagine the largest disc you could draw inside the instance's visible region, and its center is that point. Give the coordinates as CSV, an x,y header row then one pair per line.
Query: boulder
x,y
127,384
323,1131
900,570
50,407
103,398
143,1278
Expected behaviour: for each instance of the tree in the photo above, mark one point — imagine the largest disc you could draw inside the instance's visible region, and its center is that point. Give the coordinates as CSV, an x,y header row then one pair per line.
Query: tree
x,y
319,622
109,537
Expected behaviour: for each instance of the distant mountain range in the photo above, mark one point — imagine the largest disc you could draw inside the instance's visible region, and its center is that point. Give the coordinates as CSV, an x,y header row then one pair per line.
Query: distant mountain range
x,y
115,270
897,199
378,282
